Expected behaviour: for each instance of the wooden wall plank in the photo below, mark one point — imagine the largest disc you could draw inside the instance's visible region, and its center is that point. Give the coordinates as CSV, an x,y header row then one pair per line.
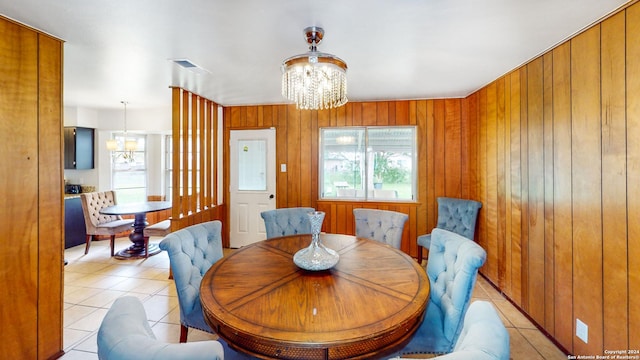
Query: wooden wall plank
x,y
482,167
524,188
402,113
252,116
307,162
439,148
421,120
18,100
633,168
340,113
314,153
452,144
535,202
469,136
549,281
356,113
431,166
369,114
50,202
500,181
586,185
294,165
383,114
508,278
516,188
490,205
562,200
614,184
281,117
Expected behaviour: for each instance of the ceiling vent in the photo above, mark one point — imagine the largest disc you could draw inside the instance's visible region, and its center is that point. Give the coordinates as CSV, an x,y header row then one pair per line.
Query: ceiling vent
x,y
189,65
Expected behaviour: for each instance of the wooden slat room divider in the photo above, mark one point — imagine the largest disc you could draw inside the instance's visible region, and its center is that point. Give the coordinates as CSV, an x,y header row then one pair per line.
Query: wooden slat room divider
x,y
194,160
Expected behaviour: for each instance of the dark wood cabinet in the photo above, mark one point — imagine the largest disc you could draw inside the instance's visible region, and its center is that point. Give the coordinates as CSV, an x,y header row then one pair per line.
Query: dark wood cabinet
x,y
78,148
74,226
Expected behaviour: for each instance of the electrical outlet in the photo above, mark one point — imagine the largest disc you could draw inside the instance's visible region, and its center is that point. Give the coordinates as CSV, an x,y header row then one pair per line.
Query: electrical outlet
x,y
582,331
283,167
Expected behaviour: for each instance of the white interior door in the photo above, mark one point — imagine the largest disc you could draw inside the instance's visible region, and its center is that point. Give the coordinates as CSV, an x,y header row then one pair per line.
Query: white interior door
x,y
252,184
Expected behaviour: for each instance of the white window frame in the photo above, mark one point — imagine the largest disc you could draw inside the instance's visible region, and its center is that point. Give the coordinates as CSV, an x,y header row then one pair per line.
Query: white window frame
x,y
365,191
137,157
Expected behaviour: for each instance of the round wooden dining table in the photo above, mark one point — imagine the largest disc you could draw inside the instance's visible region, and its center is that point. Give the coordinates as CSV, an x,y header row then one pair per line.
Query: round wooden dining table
x,y
366,306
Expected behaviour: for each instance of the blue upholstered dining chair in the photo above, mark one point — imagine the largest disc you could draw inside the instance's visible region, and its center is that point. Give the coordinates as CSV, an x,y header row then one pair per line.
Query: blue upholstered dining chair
x,y
125,334
483,336
452,269
287,221
456,215
381,225
192,251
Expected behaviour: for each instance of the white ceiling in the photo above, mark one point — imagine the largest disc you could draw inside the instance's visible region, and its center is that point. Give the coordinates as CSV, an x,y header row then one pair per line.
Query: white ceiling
x,y
405,49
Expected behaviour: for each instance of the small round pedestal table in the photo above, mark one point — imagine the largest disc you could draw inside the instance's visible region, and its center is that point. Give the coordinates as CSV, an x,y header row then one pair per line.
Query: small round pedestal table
x,y
139,210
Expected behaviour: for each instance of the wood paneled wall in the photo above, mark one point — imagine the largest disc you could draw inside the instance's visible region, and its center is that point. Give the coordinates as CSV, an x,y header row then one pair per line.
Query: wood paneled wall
x,y
31,215
558,172
446,155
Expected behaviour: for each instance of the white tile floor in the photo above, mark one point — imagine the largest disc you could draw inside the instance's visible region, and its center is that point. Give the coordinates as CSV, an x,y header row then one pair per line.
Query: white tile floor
x,y
95,280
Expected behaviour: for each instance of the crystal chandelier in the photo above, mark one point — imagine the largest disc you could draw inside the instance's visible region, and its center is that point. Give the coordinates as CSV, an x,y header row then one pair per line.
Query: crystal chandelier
x,y
314,80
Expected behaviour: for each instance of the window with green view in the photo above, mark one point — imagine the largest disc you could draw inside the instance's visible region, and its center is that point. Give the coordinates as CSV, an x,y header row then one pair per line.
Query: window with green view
x,y
368,163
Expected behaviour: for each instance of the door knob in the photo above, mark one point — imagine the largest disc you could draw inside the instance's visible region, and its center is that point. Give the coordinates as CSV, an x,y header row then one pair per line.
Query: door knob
x,y
271,196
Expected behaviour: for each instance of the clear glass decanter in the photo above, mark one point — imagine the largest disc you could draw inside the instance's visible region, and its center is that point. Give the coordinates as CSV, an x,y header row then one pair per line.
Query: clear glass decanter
x,y
316,256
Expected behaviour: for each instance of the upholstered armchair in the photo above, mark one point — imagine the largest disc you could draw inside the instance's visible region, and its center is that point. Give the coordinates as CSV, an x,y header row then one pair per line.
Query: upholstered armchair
x,y
381,225
192,251
99,224
125,334
456,215
287,221
452,269
483,336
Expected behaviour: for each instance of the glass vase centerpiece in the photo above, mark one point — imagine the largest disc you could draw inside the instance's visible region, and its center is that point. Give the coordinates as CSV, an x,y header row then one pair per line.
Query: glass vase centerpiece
x,y
316,256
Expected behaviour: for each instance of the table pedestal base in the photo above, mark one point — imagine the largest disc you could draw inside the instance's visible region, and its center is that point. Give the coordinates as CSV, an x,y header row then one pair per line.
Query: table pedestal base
x,y
137,250
133,252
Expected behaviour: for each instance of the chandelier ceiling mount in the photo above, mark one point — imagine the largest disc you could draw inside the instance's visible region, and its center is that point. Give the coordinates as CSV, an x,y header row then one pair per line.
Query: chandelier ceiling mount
x,y
315,80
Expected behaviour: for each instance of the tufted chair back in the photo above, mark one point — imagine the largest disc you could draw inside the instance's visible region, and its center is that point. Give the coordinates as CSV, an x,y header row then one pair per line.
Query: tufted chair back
x,y
456,215
483,336
99,224
287,221
381,225
192,251
125,334
95,202
452,268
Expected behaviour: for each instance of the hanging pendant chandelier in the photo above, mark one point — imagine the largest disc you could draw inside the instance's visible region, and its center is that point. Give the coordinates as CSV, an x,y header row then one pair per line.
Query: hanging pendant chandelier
x,y
315,80
130,145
